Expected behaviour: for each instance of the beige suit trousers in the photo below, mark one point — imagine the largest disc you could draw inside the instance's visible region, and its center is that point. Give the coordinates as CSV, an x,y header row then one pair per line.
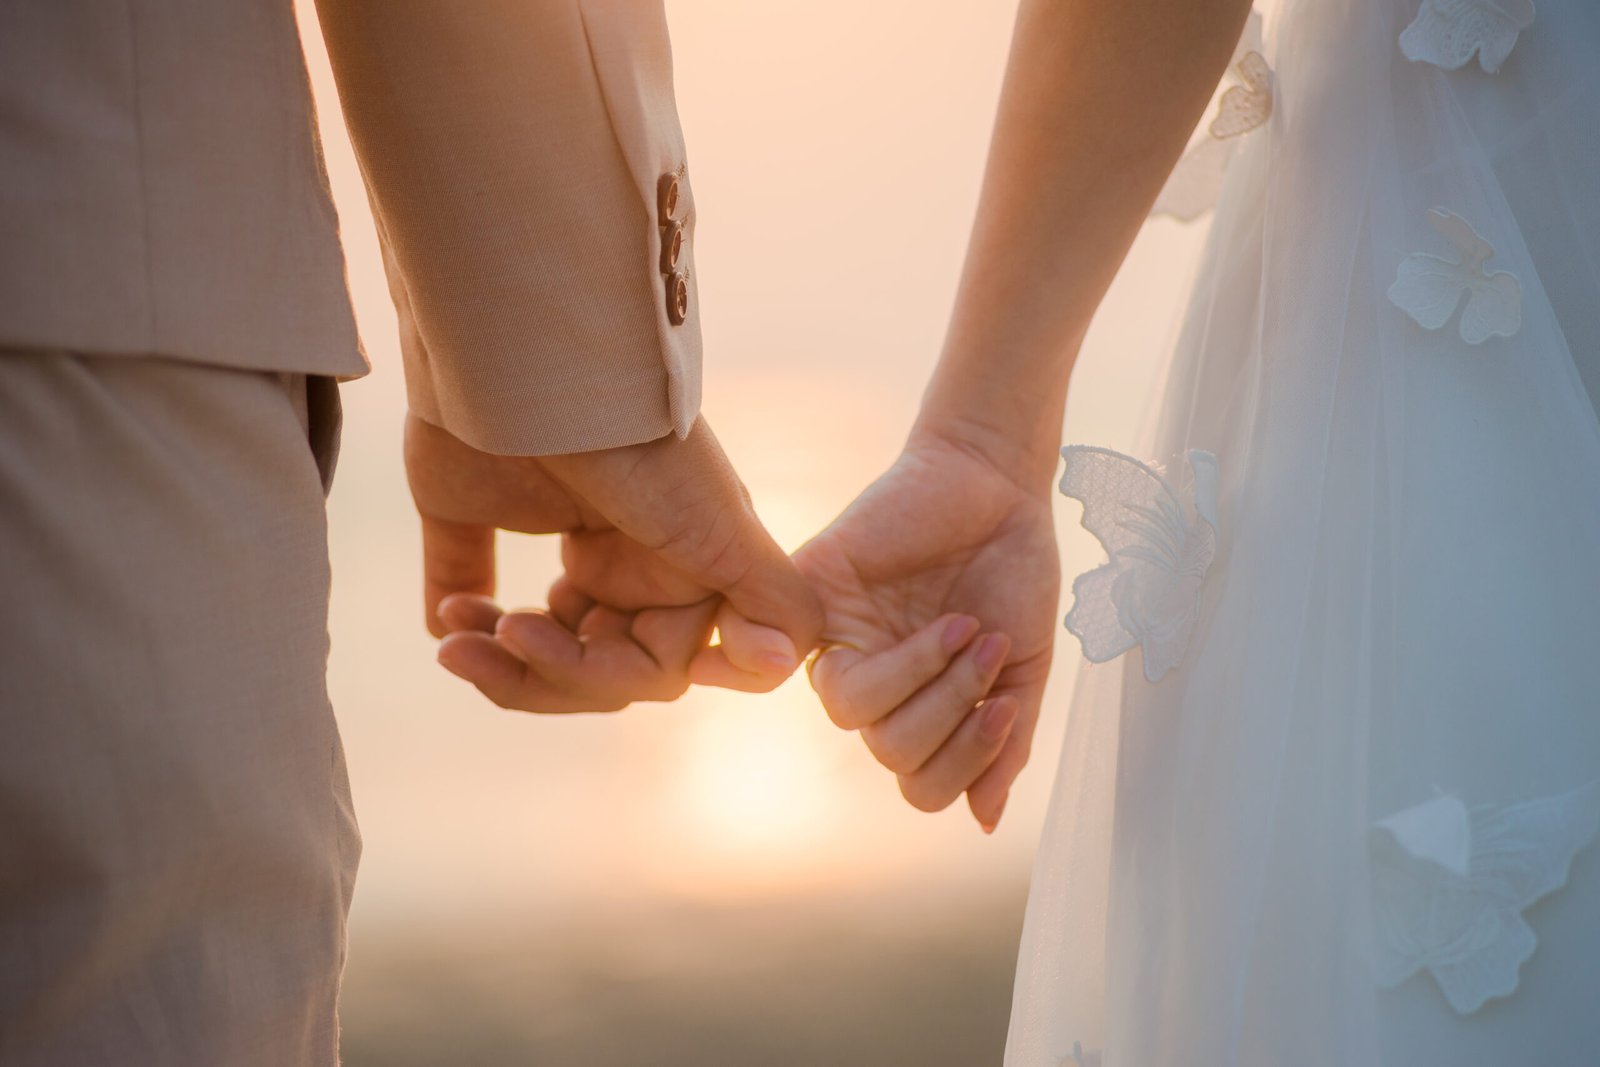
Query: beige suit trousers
x,y
177,844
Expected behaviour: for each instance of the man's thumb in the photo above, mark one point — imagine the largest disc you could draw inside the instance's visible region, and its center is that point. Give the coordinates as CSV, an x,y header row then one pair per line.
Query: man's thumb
x,y
772,593
684,501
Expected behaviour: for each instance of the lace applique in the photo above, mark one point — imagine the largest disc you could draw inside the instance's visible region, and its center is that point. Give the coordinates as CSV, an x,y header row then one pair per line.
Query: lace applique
x,y
1428,288
1245,106
1161,539
1449,886
1194,184
1447,32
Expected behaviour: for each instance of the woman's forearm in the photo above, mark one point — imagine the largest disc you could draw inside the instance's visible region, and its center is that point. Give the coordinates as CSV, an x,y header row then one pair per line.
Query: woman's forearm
x,y
1099,99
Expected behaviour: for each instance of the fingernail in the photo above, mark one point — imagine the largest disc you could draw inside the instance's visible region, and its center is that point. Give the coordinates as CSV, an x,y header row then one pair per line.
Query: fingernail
x,y
991,652
958,631
997,717
989,827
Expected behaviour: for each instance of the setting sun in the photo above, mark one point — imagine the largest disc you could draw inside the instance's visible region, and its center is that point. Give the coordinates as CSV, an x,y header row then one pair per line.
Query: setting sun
x,y
758,781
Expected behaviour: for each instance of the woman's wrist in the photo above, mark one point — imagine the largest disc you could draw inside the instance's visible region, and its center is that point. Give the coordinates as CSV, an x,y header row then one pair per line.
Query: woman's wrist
x,y
1000,389
1019,438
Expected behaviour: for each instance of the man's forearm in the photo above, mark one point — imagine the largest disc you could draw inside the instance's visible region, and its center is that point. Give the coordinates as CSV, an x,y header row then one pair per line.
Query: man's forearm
x,y
519,214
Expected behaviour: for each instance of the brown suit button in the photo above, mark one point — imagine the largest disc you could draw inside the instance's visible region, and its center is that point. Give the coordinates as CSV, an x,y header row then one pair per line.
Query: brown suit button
x,y
666,198
671,246
677,299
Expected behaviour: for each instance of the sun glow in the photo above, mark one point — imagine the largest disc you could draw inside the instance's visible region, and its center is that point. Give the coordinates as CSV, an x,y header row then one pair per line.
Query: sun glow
x,y
760,780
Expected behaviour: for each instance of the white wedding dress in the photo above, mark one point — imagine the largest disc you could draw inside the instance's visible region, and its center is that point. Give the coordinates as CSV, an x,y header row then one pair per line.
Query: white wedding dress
x,y
1330,796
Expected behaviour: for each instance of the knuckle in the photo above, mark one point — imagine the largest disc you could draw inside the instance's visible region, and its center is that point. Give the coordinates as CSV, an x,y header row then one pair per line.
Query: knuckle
x,y
668,688
614,695
841,708
763,683
839,699
502,694
710,546
930,659
965,683
889,750
922,795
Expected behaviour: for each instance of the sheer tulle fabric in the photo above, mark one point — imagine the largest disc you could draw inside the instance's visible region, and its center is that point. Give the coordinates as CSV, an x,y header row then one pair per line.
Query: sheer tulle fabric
x,y
1405,599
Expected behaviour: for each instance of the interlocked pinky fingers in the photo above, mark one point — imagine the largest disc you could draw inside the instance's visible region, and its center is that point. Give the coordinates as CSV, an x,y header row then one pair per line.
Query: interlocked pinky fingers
x,y
750,657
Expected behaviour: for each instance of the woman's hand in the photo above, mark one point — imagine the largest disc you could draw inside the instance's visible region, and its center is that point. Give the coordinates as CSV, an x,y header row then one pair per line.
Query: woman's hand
x,y
940,584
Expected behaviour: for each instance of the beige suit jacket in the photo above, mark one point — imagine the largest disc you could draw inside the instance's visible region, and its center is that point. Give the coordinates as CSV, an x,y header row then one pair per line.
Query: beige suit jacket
x,y
162,193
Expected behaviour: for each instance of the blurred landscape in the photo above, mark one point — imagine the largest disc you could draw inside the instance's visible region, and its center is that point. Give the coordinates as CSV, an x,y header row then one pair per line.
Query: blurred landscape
x,y
728,880
779,984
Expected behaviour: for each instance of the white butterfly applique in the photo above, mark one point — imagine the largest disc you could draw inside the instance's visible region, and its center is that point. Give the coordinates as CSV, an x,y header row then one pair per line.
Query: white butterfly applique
x,y
1161,539
1247,105
1194,184
1429,288
1449,885
1447,32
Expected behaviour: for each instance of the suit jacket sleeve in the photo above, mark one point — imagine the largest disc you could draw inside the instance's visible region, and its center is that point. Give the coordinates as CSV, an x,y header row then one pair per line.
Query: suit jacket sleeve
x,y
514,153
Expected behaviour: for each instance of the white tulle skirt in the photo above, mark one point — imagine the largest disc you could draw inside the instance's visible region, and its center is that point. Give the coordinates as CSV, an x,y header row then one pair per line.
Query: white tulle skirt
x,y
1331,797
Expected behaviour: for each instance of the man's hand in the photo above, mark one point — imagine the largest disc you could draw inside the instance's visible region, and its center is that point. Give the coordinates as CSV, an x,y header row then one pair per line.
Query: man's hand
x,y
940,584
659,543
